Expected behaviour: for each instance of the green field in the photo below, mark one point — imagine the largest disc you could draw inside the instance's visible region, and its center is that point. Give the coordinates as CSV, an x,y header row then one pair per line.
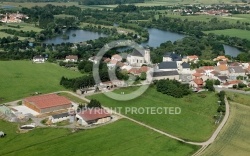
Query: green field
x,y
234,139
23,27
232,33
22,78
120,138
195,122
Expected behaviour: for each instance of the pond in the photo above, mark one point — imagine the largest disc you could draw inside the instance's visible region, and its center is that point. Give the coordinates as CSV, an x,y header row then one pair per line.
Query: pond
x,y
231,51
156,37
7,6
75,36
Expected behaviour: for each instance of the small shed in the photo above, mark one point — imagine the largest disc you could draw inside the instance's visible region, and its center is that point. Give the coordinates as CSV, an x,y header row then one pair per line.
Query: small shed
x,y
59,117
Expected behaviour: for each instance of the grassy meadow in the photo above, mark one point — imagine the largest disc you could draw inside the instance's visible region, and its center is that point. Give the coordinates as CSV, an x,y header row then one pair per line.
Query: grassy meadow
x,y
120,138
232,33
195,122
22,78
23,27
234,139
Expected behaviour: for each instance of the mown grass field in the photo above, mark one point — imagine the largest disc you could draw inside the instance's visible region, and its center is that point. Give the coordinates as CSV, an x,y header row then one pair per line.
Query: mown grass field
x,y
195,122
23,27
120,138
22,78
232,33
234,139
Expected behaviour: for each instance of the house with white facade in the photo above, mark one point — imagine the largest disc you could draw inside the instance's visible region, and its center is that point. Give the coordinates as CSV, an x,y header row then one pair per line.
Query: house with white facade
x,y
236,71
71,58
38,59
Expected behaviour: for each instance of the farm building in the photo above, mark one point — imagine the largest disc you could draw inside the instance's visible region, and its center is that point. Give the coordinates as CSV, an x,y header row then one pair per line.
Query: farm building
x,y
47,103
59,117
93,116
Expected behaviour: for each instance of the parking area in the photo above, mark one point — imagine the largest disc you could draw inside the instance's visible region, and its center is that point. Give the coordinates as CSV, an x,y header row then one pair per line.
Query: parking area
x,y
25,110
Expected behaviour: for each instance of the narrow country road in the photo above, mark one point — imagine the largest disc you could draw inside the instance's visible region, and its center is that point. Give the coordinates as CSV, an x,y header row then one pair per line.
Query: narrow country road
x,y
203,144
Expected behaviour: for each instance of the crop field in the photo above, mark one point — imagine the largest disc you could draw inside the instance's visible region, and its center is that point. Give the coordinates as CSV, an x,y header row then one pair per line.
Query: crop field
x,y
22,78
195,122
232,33
234,139
239,98
119,138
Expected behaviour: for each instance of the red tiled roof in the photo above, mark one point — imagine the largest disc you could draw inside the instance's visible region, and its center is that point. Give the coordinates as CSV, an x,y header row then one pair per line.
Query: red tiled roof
x,y
192,57
232,82
235,64
93,114
223,67
143,69
47,101
198,81
208,68
197,74
75,57
223,62
134,71
200,71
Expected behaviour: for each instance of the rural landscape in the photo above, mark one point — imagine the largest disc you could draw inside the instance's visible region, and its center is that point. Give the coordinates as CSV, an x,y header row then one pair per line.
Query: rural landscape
x,y
125,77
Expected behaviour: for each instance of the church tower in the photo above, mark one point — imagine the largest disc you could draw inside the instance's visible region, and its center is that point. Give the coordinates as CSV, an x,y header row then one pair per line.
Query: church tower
x,y
147,56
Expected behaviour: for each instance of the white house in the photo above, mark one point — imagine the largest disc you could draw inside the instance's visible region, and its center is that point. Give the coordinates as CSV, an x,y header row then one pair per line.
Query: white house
x,y
137,58
93,116
38,59
71,58
59,117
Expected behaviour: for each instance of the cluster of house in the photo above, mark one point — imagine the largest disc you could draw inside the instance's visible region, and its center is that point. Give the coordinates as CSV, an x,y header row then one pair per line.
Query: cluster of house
x,y
42,59
61,108
13,17
224,71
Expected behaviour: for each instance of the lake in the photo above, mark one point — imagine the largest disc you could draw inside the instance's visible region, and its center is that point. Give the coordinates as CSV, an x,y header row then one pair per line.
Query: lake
x,y
156,37
81,36
7,6
232,51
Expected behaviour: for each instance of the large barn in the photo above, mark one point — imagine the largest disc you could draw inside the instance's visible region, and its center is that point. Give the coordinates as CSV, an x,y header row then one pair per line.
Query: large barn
x,y
47,103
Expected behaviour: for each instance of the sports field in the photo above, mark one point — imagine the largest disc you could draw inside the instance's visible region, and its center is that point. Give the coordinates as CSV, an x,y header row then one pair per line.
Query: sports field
x,y
22,78
232,33
195,122
119,138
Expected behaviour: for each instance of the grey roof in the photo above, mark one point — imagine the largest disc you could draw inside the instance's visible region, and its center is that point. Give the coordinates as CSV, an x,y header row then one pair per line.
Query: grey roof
x,y
223,78
136,53
173,55
185,65
165,73
56,116
236,69
168,65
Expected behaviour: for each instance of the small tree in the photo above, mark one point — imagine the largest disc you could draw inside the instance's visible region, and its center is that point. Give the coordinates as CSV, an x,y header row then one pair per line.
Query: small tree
x,y
143,76
94,104
217,82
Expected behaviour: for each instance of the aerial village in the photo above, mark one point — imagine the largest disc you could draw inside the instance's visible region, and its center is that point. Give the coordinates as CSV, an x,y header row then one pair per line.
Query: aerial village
x,y
50,109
